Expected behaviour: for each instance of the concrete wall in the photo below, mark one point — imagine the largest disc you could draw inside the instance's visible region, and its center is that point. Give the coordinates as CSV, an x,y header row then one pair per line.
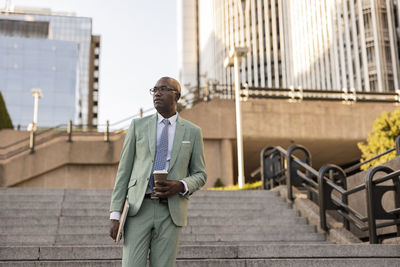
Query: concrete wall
x,y
58,163
329,130
75,176
9,136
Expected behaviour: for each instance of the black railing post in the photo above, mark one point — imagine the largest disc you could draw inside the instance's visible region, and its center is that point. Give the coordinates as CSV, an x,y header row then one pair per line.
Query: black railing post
x,y
325,191
289,177
369,189
107,132
322,201
397,141
69,131
292,170
263,170
374,194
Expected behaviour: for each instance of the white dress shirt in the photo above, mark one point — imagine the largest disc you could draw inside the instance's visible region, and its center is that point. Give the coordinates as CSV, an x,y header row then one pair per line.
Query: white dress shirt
x,y
116,215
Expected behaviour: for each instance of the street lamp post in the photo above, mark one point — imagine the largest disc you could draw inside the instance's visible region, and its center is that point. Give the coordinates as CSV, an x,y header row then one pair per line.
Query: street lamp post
x,y
37,94
234,60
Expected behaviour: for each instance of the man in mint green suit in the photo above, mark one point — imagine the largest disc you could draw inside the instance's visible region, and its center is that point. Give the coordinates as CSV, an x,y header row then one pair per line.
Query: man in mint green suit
x,y
160,141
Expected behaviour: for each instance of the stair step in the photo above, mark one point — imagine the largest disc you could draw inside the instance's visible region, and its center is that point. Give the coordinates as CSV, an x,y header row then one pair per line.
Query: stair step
x,y
253,237
107,192
251,243
260,229
99,212
21,205
9,200
20,191
222,262
101,229
246,221
29,212
28,221
262,251
288,262
236,193
105,239
70,263
30,198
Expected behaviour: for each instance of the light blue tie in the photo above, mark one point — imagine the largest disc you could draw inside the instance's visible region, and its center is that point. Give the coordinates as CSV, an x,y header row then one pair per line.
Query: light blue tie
x,y
161,152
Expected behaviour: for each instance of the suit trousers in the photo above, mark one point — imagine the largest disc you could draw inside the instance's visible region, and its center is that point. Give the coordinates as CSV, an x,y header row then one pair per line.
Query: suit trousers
x,y
151,228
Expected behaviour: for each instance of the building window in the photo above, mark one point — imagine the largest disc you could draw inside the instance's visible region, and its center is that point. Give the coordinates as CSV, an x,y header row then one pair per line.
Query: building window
x,y
370,54
367,21
388,52
384,19
373,82
391,85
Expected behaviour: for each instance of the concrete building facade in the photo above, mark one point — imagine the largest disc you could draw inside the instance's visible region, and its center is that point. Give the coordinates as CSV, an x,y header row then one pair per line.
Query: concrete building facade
x,y
314,44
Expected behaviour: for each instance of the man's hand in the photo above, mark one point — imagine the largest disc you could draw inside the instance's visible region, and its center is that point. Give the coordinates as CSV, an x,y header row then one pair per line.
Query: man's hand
x,y
114,229
167,188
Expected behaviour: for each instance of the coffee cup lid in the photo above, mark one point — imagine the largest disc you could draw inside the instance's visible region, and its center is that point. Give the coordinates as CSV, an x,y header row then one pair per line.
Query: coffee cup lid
x,y
160,172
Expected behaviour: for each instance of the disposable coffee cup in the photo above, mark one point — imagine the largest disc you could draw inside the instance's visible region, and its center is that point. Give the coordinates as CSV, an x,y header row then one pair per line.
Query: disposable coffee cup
x,y
159,176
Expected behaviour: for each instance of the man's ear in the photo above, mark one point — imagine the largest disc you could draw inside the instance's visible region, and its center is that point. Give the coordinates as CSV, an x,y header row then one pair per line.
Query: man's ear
x,y
178,95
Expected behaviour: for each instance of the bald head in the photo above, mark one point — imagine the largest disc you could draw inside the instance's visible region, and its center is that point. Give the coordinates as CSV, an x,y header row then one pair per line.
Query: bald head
x,y
165,101
172,83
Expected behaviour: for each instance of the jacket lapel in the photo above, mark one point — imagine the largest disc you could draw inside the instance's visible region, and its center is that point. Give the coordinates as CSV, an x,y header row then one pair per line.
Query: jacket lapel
x,y
152,128
179,134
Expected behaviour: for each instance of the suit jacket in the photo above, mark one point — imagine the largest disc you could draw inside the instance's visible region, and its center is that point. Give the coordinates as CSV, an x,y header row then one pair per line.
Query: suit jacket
x,y
138,154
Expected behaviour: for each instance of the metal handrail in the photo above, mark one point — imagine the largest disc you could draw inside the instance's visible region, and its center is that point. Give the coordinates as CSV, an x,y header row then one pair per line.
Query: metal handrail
x,y
358,165
299,94
77,126
69,129
326,183
27,138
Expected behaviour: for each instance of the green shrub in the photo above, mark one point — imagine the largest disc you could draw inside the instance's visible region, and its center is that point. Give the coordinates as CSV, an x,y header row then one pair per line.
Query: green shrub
x,y
5,120
385,130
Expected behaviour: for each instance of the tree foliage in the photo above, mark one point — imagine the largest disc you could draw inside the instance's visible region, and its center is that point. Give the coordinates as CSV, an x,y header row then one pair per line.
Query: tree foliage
x,y
5,120
385,130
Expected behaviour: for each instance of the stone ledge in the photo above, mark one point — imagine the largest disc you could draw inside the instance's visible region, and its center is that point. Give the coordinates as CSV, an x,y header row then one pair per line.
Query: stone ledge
x,y
393,241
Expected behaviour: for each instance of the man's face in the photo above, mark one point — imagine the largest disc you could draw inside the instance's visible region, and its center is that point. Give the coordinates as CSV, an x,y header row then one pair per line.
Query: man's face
x,y
165,101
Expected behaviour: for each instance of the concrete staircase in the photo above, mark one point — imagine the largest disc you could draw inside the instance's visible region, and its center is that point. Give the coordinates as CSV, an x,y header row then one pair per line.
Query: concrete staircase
x,y
60,227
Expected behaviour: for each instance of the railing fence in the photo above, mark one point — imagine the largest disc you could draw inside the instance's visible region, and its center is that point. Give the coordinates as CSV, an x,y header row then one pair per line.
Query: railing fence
x,y
328,188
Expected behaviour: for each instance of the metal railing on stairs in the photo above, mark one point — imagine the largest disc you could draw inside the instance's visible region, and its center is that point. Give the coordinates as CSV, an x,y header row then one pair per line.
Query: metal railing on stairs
x,y
357,166
327,187
69,130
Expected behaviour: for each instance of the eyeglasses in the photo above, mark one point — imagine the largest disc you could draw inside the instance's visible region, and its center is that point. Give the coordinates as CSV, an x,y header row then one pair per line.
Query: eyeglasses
x,y
161,89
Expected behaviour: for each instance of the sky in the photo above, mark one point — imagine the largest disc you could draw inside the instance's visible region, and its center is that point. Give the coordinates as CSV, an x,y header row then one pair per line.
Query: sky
x,y
138,46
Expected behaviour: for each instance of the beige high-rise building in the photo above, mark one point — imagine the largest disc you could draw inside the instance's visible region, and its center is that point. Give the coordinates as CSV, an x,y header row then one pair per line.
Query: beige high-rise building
x,y
314,44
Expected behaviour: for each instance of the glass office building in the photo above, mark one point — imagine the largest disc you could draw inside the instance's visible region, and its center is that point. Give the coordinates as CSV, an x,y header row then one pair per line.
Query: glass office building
x,y
67,28
39,63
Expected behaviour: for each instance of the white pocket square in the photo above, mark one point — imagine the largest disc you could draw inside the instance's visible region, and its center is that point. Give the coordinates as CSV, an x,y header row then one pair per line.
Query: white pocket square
x,y
185,142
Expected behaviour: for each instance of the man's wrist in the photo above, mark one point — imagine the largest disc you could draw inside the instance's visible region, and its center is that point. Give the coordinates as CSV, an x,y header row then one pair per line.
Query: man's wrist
x,y
115,215
185,188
